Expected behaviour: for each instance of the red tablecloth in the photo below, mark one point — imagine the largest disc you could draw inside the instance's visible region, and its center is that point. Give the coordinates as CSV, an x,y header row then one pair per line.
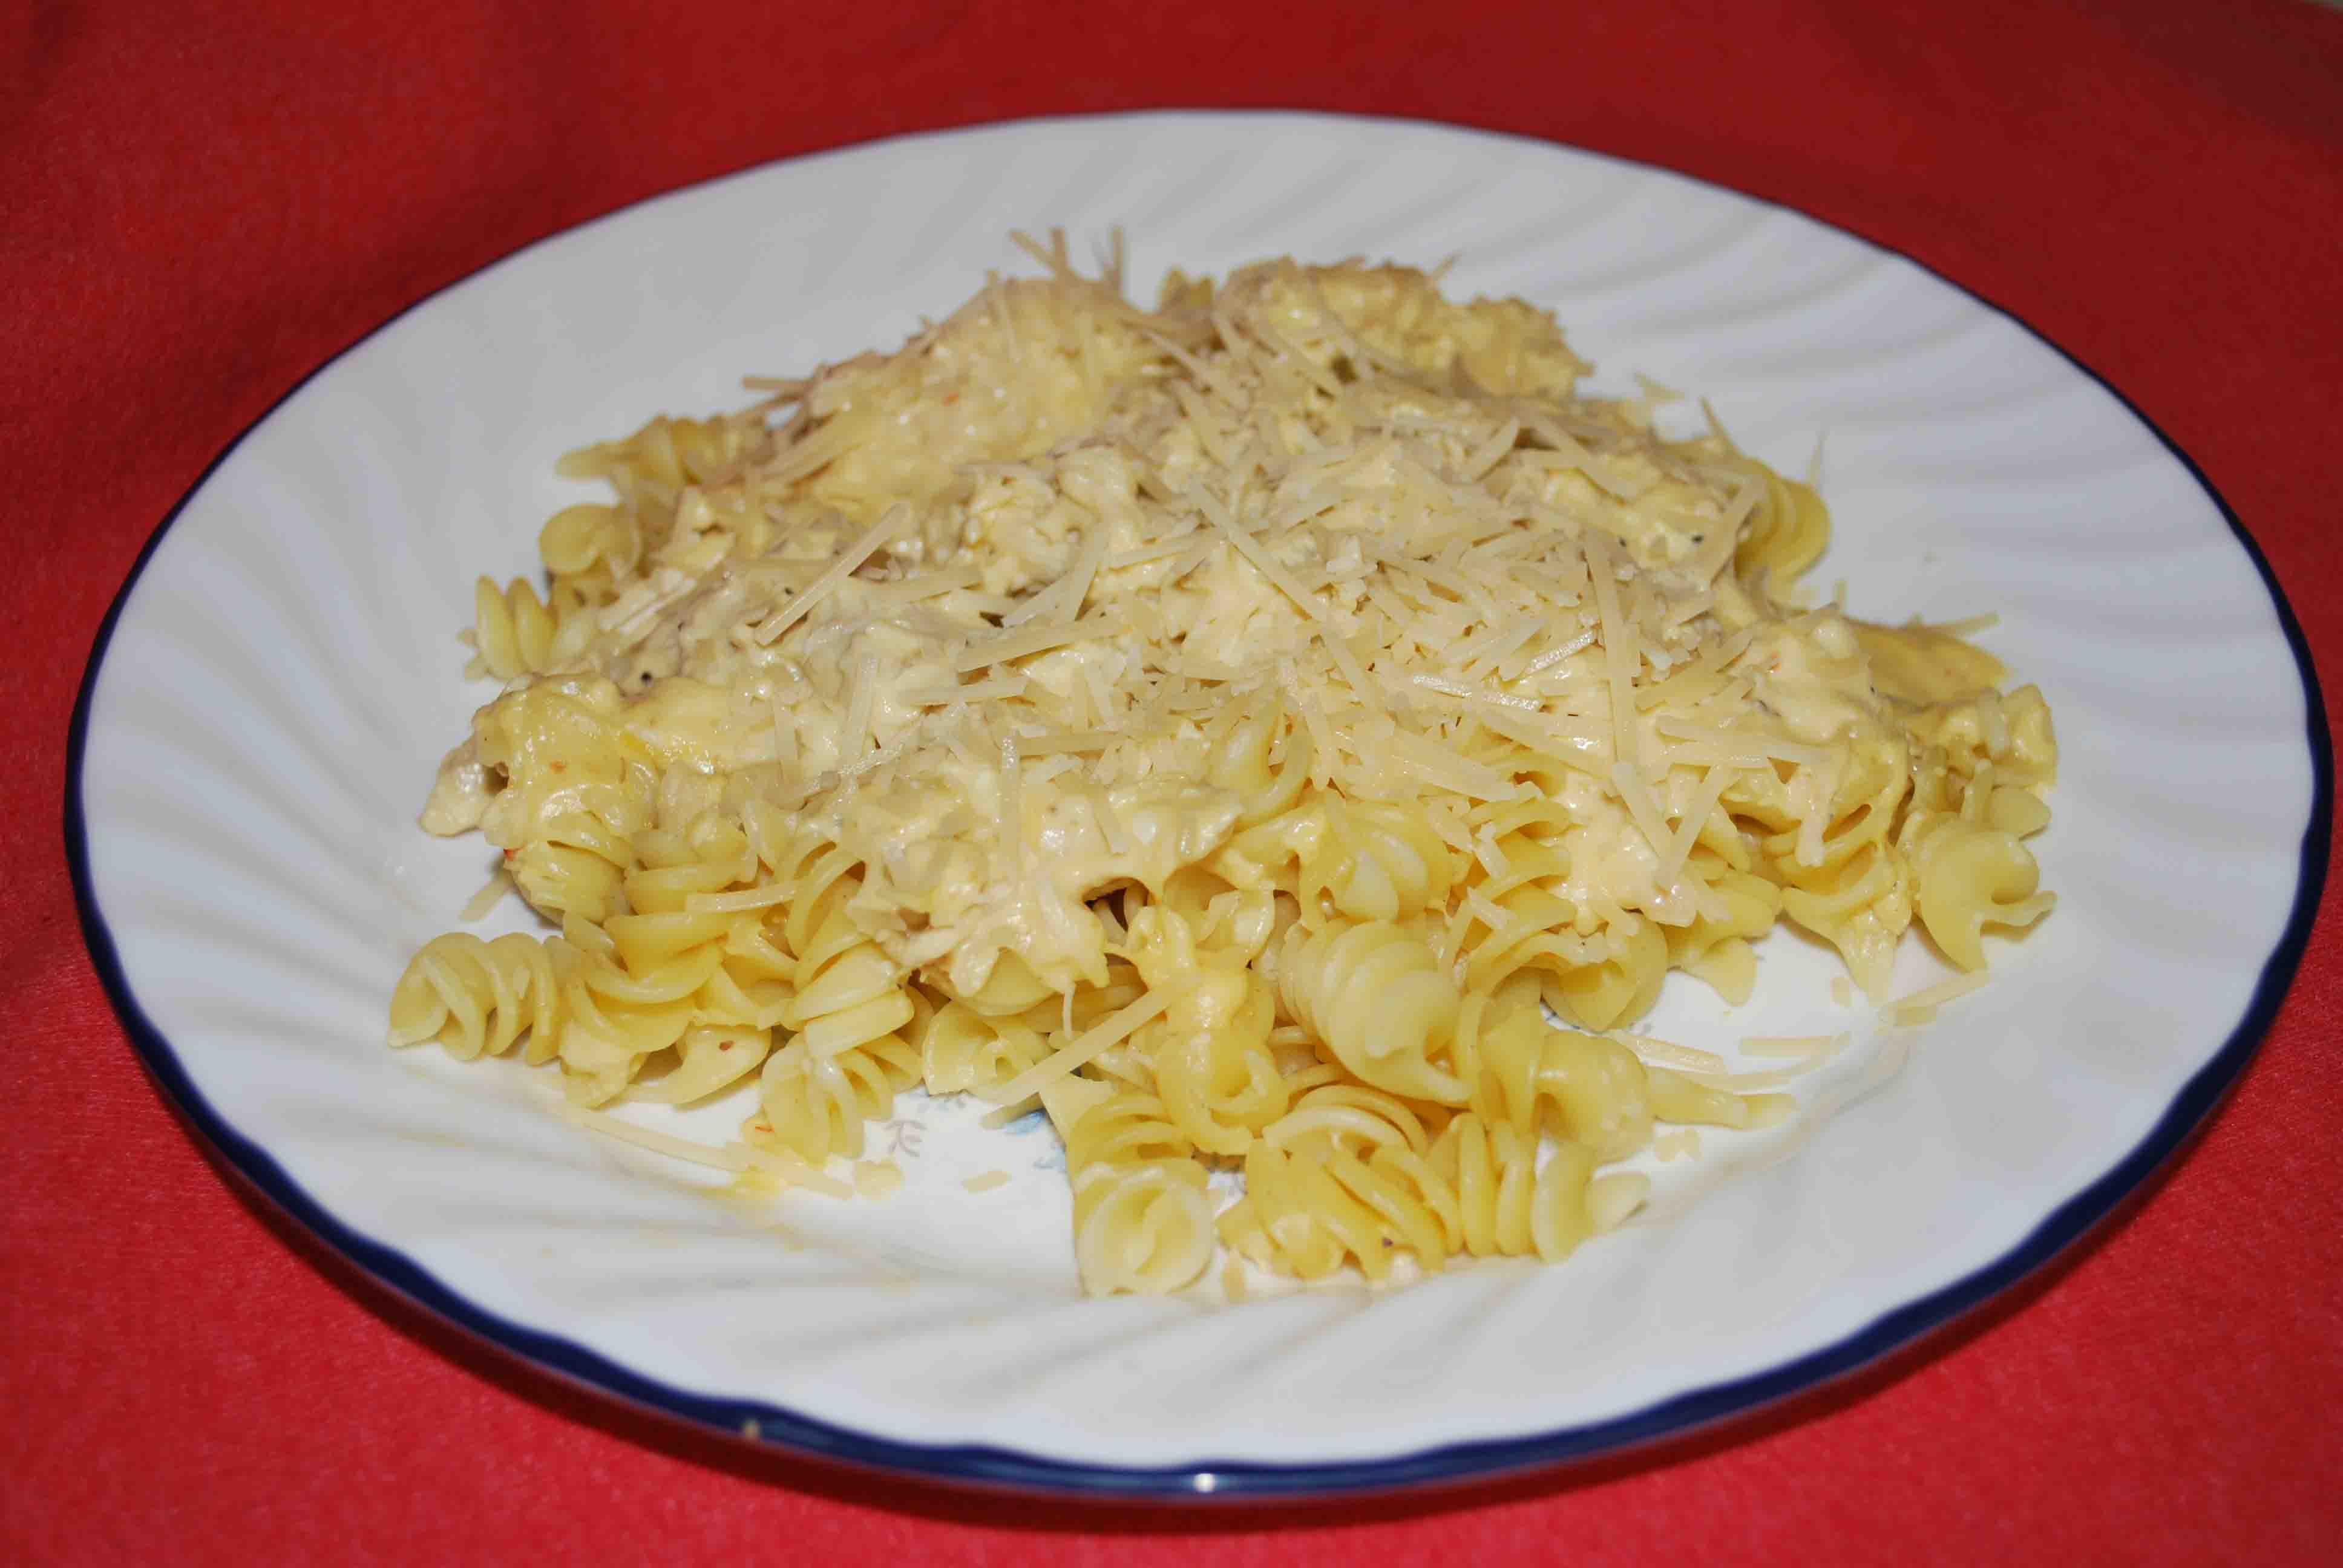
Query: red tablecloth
x,y
199,204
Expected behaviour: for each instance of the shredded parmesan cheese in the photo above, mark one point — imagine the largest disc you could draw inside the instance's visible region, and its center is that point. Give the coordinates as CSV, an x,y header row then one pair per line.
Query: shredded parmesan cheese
x,y
1039,639
867,543
1096,1042
1667,1054
732,1157
492,893
1796,1048
877,1178
1920,1006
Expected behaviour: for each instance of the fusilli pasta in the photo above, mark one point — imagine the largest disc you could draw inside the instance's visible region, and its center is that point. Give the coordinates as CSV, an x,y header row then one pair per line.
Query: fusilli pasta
x,y
1247,726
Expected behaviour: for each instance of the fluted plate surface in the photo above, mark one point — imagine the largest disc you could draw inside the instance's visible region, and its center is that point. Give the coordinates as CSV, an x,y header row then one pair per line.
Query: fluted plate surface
x,y
264,715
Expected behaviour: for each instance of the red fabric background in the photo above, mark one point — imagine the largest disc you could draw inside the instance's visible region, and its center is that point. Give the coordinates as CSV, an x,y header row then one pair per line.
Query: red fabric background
x,y
199,203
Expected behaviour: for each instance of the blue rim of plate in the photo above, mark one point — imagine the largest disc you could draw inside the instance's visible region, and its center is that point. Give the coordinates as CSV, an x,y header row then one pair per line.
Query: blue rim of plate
x,y
993,1468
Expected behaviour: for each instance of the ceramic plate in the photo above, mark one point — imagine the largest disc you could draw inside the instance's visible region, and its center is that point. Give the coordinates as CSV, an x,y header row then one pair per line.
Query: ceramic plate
x,y
267,703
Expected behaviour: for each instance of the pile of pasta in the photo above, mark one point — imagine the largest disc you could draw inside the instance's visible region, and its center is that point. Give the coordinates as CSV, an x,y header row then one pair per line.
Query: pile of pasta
x,y
1288,733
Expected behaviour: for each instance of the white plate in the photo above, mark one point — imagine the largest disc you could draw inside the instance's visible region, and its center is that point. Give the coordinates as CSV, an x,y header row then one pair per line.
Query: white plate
x,y
266,705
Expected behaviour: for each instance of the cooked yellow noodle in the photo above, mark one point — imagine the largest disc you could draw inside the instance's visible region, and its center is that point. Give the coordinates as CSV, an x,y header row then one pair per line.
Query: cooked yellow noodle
x,y
1243,722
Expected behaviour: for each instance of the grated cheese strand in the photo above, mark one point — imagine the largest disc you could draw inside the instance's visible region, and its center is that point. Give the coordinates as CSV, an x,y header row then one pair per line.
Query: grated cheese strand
x,y
867,543
1252,551
1919,1006
1100,1038
1618,674
1705,801
732,1157
1668,1053
1040,639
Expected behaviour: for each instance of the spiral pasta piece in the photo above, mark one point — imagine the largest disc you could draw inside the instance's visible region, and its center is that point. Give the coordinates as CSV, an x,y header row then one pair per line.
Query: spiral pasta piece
x,y
1010,989
1508,1206
588,548
755,984
1375,996
1211,1054
578,789
1307,1213
1862,906
1221,1082
478,998
669,477
1519,930
1143,1221
512,628
1787,532
1376,861
1418,1209
1715,946
821,878
613,1020
1860,815
966,1051
848,991
1595,1087
710,1059
1619,987
1242,763
1342,858
575,864
1339,1115
1530,1076
705,886
2012,732
1968,875
814,1106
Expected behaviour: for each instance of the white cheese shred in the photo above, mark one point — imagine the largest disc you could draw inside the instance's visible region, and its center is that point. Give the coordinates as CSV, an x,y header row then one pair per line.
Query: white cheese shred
x,y
1100,1038
1920,1006
867,543
733,1157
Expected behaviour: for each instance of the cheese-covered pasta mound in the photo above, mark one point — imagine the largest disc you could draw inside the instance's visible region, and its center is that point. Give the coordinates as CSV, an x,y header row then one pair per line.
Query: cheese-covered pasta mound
x,y
1237,724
